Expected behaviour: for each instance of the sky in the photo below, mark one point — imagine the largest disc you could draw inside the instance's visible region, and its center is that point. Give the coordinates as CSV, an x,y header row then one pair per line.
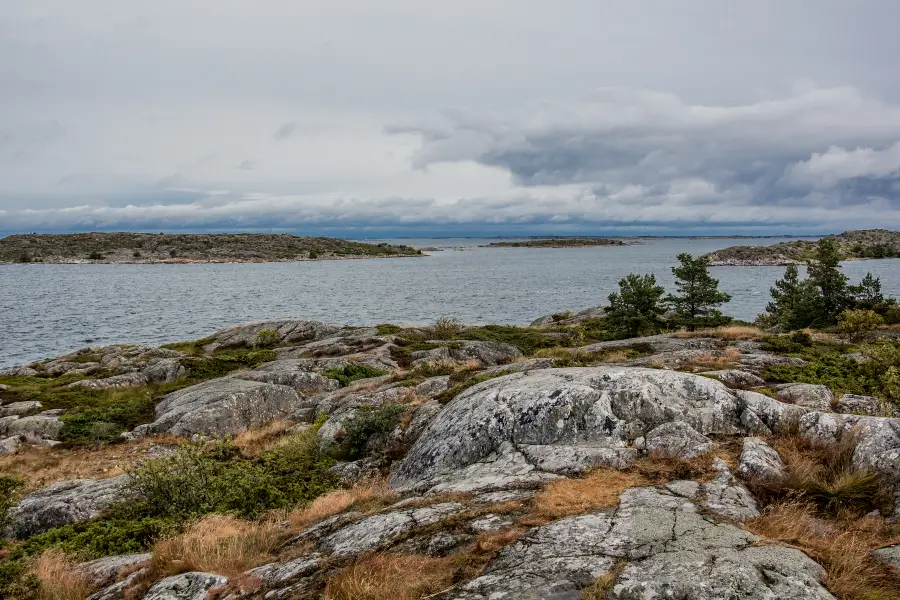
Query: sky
x,y
430,118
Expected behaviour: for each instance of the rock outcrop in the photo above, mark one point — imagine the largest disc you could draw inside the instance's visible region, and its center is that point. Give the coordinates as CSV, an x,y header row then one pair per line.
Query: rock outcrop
x,y
63,503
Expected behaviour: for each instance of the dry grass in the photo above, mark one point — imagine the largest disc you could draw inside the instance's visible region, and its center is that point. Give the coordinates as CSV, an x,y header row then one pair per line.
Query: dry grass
x,y
59,578
824,475
217,544
391,577
257,440
615,356
599,489
41,466
841,546
603,585
730,333
368,495
714,362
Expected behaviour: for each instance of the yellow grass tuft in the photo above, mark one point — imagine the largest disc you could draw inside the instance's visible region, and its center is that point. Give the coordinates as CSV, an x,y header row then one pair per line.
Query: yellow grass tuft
x,y
257,440
372,493
599,489
842,546
731,333
391,577
59,578
217,544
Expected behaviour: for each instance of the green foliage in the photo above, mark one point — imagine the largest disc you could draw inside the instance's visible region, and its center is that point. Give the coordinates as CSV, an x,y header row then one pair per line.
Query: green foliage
x,y
210,477
698,294
824,273
636,309
94,255
313,255
446,327
116,411
858,324
347,375
9,485
368,423
527,340
451,393
209,367
795,304
388,329
868,293
266,338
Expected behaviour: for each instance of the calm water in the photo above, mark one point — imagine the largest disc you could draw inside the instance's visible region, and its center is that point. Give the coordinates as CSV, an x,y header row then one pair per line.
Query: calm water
x,y
46,310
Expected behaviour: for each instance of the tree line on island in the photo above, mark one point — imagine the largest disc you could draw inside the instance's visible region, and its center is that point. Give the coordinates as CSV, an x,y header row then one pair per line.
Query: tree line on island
x,y
824,299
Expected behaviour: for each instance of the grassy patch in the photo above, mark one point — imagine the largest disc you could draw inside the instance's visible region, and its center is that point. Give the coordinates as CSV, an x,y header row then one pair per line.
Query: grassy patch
x,y
368,423
222,363
351,373
451,393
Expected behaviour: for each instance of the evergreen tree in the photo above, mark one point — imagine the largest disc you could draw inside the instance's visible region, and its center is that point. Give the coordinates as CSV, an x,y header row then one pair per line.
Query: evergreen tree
x,y
824,272
795,303
636,308
698,294
867,295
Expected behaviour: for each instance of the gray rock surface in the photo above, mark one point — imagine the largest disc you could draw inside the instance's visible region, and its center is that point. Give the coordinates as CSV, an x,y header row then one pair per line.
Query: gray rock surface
x,y
486,353
293,373
126,380
736,378
63,503
889,555
860,405
567,420
672,551
186,586
39,426
760,461
223,406
103,572
374,531
816,397
288,331
19,408
10,445
164,371
19,371
276,574
677,439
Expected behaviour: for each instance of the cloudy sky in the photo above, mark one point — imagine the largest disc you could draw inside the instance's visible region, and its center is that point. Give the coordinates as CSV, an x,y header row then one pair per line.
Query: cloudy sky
x,y
412,117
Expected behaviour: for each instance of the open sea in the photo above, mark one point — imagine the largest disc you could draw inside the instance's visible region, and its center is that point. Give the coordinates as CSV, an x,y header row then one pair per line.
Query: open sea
x,y
47,310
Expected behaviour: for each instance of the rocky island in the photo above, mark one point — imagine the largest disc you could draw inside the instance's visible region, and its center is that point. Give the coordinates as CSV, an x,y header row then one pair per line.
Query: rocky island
x,y
559,243
853,245
130,247
297,459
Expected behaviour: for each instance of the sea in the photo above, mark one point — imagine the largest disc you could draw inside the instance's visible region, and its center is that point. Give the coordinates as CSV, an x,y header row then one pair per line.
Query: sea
x,y
47,310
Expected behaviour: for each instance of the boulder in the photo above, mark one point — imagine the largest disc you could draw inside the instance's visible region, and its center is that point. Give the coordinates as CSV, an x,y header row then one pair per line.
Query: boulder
x,y
164,371
670,550
223,406
4,387
19,408
287,331
60,367
293,373
10,445
736,378
526,425
816,397
677,439
348,341
760,461
103,572
63,503
889,555
126,380
40,426
186,586
860,405
19,371
487,354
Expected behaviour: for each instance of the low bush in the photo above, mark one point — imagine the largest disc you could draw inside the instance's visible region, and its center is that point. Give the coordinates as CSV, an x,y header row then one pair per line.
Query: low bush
x,y
95,256
527,340
267,338
114,411
858,324
9,485
369,424
347,375
446,328
201,368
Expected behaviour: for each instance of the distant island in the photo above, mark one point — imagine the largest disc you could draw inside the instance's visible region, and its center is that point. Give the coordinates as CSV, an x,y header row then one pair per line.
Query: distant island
x,y
141,248
559,243
857,244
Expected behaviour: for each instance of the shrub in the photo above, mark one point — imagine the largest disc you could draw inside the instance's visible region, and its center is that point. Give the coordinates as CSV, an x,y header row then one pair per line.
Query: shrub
x,y
313,255
368,425
266,338
892,315
95,256
858,324
173,253
388,329
636,308
113,412
25,257
446,327
9,485
136,254
802,338
211,367
350,373
527,340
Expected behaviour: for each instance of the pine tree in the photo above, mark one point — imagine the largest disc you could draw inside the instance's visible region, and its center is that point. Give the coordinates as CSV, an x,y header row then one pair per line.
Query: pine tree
x,y
699,295
795,303
636,308
824,272
867,294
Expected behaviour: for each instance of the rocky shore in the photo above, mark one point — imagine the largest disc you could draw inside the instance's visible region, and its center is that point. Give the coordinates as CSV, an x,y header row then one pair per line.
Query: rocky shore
x,y
146,248
853,245
467,463
560,243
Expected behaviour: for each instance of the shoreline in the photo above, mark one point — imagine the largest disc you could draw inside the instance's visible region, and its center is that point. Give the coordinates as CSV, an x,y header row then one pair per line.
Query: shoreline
x,y
196,261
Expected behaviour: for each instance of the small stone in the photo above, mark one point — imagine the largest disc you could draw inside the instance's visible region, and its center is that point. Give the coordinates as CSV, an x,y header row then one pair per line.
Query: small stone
x,y
677,439
759,461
